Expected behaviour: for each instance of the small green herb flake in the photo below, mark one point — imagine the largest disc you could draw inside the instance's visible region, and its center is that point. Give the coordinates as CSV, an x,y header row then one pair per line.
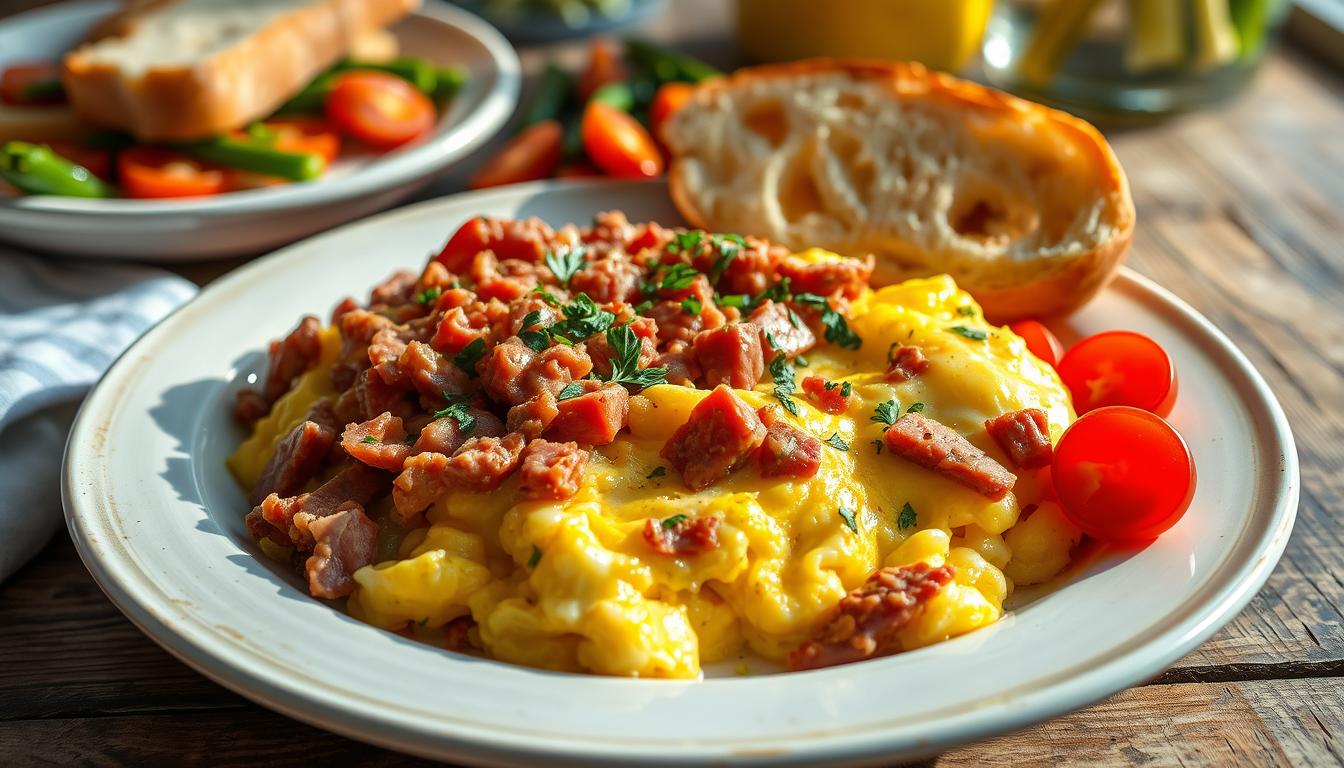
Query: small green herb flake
x,y
657,472
673,521
691,306
974,334
683,242
848,517
677,277
571,390
966,311
837,330
369,439
546,296
625,349
908,518
800,361
877,444
729,246
457,410
772,341
428,296
470,356
738,300
564,262
846,389
837,442
583,318
535,558
886,413
915,408
782,374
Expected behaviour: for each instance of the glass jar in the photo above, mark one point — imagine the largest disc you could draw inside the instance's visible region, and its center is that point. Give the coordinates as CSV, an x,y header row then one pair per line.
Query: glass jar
x,y
1114,59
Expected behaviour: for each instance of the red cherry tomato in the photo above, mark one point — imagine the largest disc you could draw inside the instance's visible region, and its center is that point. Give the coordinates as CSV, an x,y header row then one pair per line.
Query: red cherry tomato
x,y
31,83
618,144
1123,475
666,102
154,172
305,135
1119,368
1040,341
532,154
379,109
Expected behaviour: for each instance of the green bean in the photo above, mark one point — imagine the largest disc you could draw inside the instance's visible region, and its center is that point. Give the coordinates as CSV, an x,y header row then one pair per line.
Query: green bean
x,y
311,100
618,95
36,170
668,65
448,82
258,157
439,84
552,92
416,71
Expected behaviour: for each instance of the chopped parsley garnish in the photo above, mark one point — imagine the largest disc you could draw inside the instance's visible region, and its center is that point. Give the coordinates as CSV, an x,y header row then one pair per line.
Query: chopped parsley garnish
x,y
848,517
782,374
457,409
546,296
837,442
738,300
975,334
886,414
800,361
966,311
729,246
837,330
583,318
778,292
564,263
691,306
915,408
625,349
907,518
676,277
535,340
658,471
570,390
674,521
369,439
535,558
428,296
470,356
531,318
877,443
772,341
795,319
845,387
685,241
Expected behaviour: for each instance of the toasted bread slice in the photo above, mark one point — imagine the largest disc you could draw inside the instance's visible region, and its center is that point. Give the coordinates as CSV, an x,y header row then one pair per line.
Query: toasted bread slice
x,y
172,70
1026,207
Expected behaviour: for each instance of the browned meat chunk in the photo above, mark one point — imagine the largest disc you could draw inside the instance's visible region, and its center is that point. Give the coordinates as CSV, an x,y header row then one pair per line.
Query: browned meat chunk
x,y
848,276
782,330
422,481
288,359
532,417
274,517
830,396
679,360
379,442
482,463
513,373
676,324
432,374
935,446
787,451
592,418
680,535
296,460
611,279
249,405
374,396
526,239
397,289
905,363
721,434
551,470
731,355
599,349
342,544
1025,436
865,623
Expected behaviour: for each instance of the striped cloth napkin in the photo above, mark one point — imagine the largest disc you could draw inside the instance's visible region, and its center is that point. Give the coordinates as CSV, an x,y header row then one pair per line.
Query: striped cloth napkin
x,y
61,324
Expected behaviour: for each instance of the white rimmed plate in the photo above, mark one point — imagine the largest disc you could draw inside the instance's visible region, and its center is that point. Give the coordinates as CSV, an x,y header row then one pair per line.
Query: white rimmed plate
x,y
158,520
247,222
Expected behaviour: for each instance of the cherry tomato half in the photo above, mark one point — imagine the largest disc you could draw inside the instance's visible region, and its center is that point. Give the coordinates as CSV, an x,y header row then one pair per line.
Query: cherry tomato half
x,y
1122,474
618,144
305,135
31,83
1040,341
153,172
1119,368
532,154
379,109
669,98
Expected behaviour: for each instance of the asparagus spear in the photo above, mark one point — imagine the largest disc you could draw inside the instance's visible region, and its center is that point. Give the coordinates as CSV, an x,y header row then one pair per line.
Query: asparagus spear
x,y
1156,35
1215,39
257,156
36,170
1251,19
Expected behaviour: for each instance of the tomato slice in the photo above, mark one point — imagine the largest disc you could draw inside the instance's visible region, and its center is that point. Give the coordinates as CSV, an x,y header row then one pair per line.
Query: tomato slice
x,y
1123,475
604,67
154,172
305,135
1119,368
532,154
379,109
32,83
1040,341
669,98
618,144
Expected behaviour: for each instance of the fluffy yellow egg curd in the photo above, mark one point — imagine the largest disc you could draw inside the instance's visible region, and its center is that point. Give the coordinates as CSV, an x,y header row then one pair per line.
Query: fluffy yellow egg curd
x,y
573,585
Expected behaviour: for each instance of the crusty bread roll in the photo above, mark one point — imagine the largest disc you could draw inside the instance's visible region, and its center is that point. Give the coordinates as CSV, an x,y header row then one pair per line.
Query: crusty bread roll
x,y
1025,206
172,70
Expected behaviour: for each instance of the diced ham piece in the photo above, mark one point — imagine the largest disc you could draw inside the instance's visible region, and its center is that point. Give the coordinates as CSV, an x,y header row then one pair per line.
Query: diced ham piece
x,y
347,305
249,405
397,289
1025,436
592,418
935,446
506,279
645,330
509,238
731,355
296,460
787,451
359,326
905,363
865,623
551,470
554,367
679,360
611,279
379,442
422,481
848,276
457,329
687,536
482,463
274,517
385,348
521,308
445,435
432,374
342,544
532,417
830,396
752,270
777,323
720,435
375,396
292,356
513,372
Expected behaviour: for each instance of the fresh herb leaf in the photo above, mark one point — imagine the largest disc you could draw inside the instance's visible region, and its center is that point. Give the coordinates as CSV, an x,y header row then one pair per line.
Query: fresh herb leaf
x,y
676,277
772,341
428,296
975,334
565,262
625,349
691,306
410,439
674,521
535,558
470,356
795,319
848,517
908,518
837,442
837,330
779,292
535,340
886,413
369,439
546,296
658,471
685,241
877,443
457,409
846,389
782,374
738,300
531,319
800,361
729,247
966,311
583,318
643,307
915,408
570,390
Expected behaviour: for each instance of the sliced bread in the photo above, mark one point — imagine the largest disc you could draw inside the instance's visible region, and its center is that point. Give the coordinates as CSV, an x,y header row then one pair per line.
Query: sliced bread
x,y
171,70
1025,206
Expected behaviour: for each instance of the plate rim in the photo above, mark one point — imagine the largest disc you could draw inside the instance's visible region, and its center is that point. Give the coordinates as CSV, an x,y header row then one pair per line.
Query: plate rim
x,y
1194,621
451,144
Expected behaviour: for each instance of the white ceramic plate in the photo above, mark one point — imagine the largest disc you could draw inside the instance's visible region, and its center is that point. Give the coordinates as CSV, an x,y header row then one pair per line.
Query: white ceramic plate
x,y
247,222
159,522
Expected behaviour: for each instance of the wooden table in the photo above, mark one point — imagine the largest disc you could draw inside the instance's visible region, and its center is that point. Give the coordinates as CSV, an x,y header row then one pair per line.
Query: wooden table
x,y
1241,213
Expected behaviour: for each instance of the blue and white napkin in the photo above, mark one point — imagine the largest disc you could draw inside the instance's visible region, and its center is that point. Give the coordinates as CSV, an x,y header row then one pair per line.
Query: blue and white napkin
x,y
62,323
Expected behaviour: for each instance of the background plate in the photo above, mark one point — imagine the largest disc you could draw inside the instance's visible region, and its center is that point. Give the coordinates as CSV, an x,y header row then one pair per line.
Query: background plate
x,y
158,521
